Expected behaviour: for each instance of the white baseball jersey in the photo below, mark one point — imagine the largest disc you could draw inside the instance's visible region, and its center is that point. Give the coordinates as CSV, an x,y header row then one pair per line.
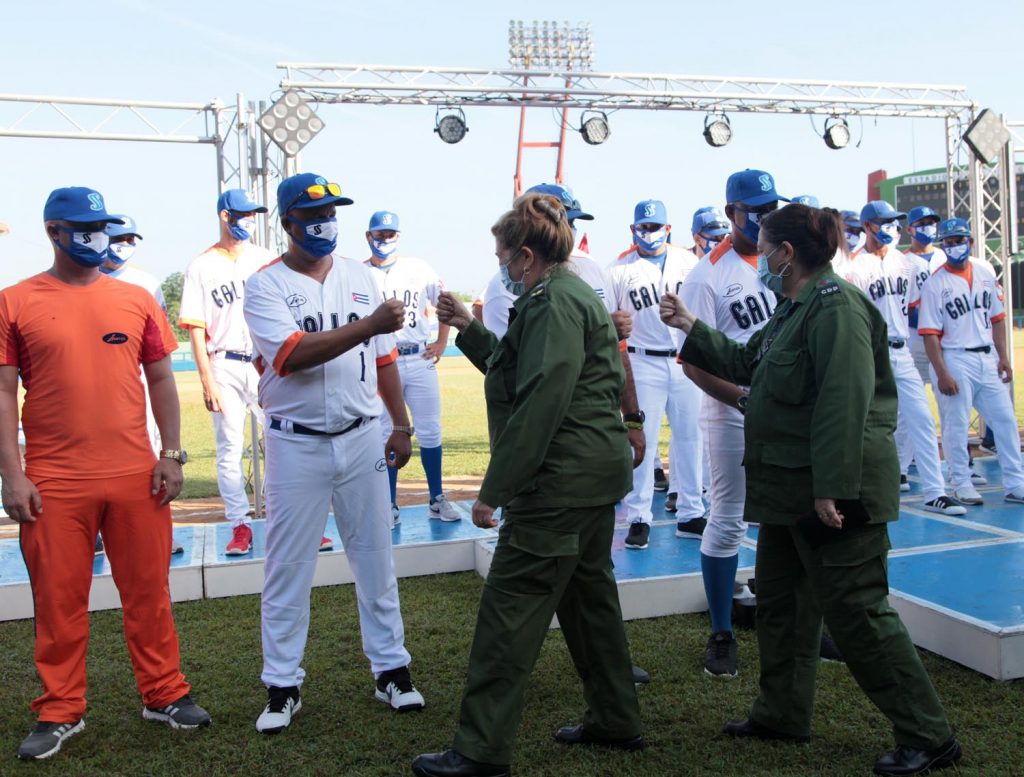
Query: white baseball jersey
x,y
415,283
212,295
961,306
129,273
935,259
281,307
891,283
637,285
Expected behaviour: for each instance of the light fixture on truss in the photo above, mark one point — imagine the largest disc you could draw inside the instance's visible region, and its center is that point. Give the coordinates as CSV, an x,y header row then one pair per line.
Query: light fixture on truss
x,y
595,130
290,123
837,132
717,129
451,127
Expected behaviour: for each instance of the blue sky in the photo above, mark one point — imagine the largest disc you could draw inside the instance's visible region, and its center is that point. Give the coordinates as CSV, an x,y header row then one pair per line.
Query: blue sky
x,y
448,196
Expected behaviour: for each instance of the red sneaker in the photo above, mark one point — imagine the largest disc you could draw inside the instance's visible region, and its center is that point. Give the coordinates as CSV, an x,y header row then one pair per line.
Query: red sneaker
x,y
326,544
241,541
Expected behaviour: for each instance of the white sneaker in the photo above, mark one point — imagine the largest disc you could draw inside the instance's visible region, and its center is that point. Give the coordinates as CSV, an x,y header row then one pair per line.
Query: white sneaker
x,y
395,688
943,505
396,515
282,705
443,509
968,495
904,483
1016,497
978,480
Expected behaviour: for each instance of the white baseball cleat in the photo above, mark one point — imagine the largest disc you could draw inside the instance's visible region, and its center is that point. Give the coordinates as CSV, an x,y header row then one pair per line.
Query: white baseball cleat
x,y
282,705
1016,496
978,480
968,495
443,509
395,688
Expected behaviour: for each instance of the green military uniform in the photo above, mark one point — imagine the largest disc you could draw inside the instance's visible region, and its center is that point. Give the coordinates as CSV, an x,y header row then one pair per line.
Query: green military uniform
x,y
560,459
819,423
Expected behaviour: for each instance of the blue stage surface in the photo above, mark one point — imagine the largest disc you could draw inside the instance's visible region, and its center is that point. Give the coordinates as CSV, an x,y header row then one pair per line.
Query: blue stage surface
x,y
665,555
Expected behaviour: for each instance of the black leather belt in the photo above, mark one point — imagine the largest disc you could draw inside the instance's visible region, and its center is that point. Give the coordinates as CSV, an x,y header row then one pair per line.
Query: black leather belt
x,y
649,352
275,424
897,343
980,349
407,350
237,356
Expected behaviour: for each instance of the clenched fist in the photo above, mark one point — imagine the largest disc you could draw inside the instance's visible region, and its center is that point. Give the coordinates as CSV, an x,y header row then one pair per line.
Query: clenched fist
x,y
674,313
452,312
389,317
623,324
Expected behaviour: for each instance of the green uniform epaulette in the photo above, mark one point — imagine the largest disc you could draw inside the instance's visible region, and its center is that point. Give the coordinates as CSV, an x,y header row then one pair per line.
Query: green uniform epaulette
x,y
829,289
539,291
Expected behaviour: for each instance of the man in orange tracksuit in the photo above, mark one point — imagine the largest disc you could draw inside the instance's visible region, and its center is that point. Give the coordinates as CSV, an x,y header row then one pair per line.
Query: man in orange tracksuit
x,y
76,339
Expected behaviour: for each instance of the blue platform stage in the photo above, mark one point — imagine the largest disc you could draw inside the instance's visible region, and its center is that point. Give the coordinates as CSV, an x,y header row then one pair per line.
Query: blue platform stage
x,y
957,582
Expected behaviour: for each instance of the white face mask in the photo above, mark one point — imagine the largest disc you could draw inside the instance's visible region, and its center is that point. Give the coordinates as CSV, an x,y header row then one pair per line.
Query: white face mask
x,y
853,240
97,241
957,253
122,252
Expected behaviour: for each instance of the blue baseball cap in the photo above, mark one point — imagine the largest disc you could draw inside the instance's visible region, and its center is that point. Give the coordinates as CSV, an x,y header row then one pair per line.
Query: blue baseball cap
x,y
384,220
77,203
921,212
851,218
237,201
573,209
806,199
709,222
954,227
293,193
752,187
126,227
879,211
650,212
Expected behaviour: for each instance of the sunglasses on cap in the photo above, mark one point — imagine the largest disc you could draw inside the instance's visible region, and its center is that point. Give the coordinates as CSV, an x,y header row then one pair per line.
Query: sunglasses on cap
x,y
318,191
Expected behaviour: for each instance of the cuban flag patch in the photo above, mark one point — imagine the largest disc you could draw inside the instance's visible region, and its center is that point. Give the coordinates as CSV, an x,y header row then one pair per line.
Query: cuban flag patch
x,y
363,299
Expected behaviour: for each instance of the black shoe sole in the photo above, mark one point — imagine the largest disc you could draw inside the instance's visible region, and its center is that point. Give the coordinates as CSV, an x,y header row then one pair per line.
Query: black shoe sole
x,y
947,758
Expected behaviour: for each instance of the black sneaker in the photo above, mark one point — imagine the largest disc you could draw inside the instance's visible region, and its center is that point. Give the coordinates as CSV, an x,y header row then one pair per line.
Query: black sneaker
x,y
906,760
829,650
660,481
692,529
904,483
636,539
395,688
182,714
45,739
670,502
282,705
720,655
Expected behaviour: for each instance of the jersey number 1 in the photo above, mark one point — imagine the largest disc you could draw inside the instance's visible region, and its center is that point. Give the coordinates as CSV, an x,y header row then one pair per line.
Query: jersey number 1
x,y
362,366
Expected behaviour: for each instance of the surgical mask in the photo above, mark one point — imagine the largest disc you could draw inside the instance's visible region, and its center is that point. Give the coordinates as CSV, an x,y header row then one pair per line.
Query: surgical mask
x,y
651,241
382,249
957,254
926,235
120,252
772,280
319,237
852,240
88,249
242,228
515,288
887,233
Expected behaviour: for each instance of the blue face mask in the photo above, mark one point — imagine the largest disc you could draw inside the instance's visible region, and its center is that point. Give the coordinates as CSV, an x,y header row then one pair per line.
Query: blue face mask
x,y
241,228
926,235
119,253
772,280
382,249
88,249
319,237
651,242
958,254
752,228
887,233
852,240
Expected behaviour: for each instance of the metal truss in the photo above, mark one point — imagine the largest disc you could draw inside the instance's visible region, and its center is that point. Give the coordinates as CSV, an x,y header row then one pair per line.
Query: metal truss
x,y
397,85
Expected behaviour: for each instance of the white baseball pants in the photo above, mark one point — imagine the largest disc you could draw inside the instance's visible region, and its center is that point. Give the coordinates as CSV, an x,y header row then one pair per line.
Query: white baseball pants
x,y
726,528
915,418
239,385
422,395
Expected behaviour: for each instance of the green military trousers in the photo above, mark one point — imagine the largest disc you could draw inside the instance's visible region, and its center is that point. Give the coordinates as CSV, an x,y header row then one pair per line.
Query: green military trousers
x,y
846,582
547,562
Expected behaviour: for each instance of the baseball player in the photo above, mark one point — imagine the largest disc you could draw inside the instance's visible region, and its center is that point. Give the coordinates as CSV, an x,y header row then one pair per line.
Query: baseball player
x,y
415,283
325,350
638,279
709,228
961,310
77,338
724,291
890,279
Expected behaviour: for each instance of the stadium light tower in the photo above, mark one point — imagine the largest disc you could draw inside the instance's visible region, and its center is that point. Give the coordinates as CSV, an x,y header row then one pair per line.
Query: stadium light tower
x,y
544,45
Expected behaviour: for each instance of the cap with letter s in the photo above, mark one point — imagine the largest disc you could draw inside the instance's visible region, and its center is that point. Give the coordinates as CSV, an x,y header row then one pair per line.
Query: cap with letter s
x,y
922,212
753,188
308,190
384,220
709,222
238,201
954,227
78,204
879,212
650,212
126,227
573,209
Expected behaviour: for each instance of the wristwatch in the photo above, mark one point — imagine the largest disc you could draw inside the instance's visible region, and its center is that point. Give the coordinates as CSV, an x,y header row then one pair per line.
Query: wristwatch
x,y
634,421
409,430
741,402
179,456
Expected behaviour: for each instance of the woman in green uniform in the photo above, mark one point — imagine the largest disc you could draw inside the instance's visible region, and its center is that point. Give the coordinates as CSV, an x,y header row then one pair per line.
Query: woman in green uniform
x,y
560,460
823,481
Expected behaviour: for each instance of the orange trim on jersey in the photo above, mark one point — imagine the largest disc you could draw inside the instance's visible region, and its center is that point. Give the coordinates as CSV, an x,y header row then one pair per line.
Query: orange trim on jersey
x,y
724,247
966,272
623,345
936,332
391,358
189,323
997,319
285,351
224,252
260,365
625,253
271,263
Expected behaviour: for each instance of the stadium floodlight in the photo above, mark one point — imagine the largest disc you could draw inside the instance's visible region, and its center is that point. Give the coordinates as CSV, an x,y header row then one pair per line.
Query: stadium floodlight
x,y
987,137
837,132
717,129
291,123
451,127
549,46
595,130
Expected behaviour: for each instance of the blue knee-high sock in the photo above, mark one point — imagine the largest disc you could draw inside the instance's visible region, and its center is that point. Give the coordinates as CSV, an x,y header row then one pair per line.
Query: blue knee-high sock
x,y
719,580
393,484
431,459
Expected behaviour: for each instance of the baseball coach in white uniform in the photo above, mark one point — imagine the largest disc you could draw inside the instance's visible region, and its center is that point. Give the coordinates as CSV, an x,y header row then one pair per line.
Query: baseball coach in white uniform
x,y
325,350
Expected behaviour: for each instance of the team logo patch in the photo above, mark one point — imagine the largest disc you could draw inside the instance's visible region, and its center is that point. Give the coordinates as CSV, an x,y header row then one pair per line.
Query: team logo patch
x,y
381,465
733,290
296,301
766,182
115,338
947,293
363,299
96,201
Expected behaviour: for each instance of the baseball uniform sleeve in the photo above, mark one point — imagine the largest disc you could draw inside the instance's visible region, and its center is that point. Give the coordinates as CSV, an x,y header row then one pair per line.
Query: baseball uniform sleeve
x,y
158,340
158,295
698,295
929,309
191,312
433,287
271,323
8,334
998,306
616,286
